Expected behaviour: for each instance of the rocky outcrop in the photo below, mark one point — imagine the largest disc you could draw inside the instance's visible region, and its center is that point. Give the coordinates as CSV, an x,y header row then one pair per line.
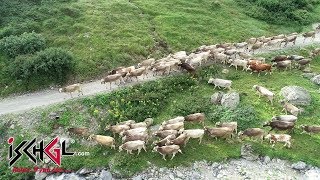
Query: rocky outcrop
x,y
296,95
216,98
316,79
247,153
228,100
299,165
308,75
260,168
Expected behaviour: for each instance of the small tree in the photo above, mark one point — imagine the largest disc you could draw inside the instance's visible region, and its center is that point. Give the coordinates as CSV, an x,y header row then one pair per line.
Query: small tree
x,y
53,62
26,43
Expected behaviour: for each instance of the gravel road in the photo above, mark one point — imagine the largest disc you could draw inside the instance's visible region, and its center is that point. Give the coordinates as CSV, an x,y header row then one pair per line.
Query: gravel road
x,y
43,98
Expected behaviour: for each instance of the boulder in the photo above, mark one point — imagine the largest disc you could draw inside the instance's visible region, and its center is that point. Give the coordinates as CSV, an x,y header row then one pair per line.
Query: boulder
x,y
84,171
53,116
105,175
308,75
225,71
307,70
230,100
65,176
40,176
316,79
247,153
296,95
266,159
67,139
137,178
299,165
312,174
216,98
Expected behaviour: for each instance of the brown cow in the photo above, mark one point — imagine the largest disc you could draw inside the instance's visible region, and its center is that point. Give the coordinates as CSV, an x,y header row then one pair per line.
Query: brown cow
x,y
311,129
260,67
280,125
279,58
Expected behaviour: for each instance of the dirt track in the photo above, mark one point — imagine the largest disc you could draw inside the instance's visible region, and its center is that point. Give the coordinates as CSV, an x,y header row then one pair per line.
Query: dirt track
x,y
47,97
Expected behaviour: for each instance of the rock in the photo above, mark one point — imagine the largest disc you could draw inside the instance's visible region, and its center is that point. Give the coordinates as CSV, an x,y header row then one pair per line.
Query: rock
x,y
316,79
154,128
225,71
299,165
84,171
296,95
137,178
105,175
171,176
308,75
40,176
65,176
230,100
179,174
53,116
247,153
307,70
266,159
12,126
216,98
312,174
68,141
214,165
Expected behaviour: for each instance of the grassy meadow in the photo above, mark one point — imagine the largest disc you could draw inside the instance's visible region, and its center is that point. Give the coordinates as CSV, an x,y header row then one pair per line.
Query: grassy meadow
x,y
106,34
175,96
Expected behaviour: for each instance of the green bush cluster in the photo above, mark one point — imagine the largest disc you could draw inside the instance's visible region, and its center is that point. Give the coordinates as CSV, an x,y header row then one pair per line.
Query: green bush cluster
x,y
281,12
140,102
52,63
17,29
193,104
26,43
246,116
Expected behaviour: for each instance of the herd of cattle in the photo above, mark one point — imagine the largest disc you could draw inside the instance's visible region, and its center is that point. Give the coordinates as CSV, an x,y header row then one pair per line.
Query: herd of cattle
x,y
172,136
171,133
235,54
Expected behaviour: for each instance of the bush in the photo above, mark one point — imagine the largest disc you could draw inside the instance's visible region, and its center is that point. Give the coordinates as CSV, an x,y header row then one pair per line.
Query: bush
x,y
18,29
244,115
21,67
72,12
52,63
193,104
140,102
281,12
26,43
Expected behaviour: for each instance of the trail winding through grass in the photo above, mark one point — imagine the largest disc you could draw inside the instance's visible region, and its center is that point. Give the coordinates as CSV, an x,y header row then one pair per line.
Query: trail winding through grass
x,y
43,98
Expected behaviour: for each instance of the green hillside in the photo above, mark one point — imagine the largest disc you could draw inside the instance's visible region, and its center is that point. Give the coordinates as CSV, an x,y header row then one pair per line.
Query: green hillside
x,y
167,98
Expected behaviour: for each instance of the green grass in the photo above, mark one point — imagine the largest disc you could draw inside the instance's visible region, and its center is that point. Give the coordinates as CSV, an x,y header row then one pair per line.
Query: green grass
x,y
182,95
106,34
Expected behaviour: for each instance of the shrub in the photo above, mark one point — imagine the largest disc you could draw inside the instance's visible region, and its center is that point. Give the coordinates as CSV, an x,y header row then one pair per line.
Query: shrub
x,y
52,63
21,67
140,102
215,4
281,12
18,29
244,115
193,104
72,12
26,43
